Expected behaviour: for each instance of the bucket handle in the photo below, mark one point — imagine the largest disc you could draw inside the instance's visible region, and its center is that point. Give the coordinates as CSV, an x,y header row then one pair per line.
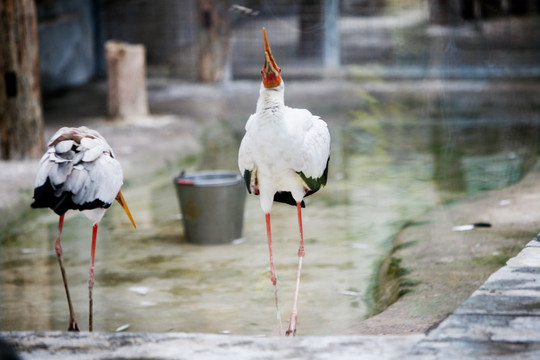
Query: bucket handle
x,y
183,181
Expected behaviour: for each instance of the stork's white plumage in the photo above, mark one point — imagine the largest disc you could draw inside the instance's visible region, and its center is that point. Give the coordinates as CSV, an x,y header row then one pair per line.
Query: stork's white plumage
x,y
79,172
283,156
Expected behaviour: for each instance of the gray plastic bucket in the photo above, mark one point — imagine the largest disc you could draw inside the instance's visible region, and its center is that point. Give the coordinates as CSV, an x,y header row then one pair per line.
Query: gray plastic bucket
x,y
212,205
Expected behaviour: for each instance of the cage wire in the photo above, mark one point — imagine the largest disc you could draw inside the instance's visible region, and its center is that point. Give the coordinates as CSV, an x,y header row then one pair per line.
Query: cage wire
x,y
369,32
296,31
170,29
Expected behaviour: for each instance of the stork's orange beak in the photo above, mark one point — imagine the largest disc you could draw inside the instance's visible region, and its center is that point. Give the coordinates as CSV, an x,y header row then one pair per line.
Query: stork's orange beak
x,y
271,73
122,202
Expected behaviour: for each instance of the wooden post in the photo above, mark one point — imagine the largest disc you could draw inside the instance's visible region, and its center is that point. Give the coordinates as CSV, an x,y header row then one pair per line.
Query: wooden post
x,y
21,119
213,39
126,68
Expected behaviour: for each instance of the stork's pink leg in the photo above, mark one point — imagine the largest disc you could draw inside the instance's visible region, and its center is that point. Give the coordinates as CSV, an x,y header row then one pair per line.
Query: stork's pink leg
x,y
273,276
301,253
73,326
91,278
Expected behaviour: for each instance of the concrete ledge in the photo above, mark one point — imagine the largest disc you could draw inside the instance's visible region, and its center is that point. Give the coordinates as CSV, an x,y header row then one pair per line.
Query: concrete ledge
x,y
64,345
501,320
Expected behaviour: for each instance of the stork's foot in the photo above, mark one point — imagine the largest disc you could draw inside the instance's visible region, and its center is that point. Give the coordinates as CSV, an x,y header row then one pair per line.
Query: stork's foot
x,y
291,331
73,326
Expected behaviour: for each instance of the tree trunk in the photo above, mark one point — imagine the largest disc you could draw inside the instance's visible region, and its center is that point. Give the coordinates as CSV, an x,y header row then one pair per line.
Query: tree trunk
x,y
21,120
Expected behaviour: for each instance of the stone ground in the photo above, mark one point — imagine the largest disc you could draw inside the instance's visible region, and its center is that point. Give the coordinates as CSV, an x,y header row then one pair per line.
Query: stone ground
x,y
442,267
501,320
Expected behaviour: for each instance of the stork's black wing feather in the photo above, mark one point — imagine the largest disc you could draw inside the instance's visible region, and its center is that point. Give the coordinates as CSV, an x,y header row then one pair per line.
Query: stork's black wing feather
x,y
44,197
286,198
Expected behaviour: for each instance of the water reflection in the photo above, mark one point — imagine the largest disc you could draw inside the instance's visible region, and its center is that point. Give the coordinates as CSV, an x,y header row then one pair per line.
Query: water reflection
x,y
393,158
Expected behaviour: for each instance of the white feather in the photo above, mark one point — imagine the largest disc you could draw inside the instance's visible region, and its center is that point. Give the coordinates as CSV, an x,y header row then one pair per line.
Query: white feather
x,y
90,173
44,168
281,141
64,146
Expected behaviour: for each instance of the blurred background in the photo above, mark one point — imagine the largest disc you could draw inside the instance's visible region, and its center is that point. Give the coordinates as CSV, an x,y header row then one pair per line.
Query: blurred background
x,y
427,101
495,37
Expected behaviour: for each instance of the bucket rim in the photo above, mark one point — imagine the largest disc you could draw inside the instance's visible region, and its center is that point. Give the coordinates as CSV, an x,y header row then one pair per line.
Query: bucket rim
x,y
208,178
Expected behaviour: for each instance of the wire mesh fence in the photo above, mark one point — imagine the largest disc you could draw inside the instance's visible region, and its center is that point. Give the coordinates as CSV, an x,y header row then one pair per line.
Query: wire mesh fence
x,y
303,34
307,37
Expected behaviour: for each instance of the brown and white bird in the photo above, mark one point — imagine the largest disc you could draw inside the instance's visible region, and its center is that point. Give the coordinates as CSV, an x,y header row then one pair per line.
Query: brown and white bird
x,y
79,172
284,157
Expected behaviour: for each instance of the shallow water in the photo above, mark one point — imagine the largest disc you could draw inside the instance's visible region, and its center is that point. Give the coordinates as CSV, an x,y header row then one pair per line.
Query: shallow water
x,y
392,160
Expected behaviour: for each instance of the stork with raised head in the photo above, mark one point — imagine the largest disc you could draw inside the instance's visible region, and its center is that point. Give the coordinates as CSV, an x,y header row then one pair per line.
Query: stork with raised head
x,y
79,172
284,157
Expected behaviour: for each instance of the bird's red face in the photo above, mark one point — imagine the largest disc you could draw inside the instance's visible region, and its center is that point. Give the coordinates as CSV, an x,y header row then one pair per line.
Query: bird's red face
x,y
271,73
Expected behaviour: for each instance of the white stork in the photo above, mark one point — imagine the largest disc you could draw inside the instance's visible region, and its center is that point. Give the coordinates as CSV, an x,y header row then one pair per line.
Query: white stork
x,y
284,157
79,172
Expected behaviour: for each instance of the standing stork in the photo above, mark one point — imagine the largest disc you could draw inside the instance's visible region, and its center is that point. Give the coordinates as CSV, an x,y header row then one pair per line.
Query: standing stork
x,y
284,157
79,172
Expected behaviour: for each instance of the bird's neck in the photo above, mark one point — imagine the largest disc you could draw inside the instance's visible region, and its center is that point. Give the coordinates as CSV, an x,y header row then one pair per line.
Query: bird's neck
x,y
271,103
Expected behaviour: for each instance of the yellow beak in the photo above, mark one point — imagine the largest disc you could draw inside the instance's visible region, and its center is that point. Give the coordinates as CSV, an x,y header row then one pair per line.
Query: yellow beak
x,y
122,202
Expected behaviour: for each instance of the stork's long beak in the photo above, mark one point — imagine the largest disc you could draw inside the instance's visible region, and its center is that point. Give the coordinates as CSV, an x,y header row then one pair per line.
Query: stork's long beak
x,y
271,73
122,202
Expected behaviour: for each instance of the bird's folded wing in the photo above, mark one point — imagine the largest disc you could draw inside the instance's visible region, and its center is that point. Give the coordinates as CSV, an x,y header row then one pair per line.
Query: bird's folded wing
x,y
100,179
316,150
